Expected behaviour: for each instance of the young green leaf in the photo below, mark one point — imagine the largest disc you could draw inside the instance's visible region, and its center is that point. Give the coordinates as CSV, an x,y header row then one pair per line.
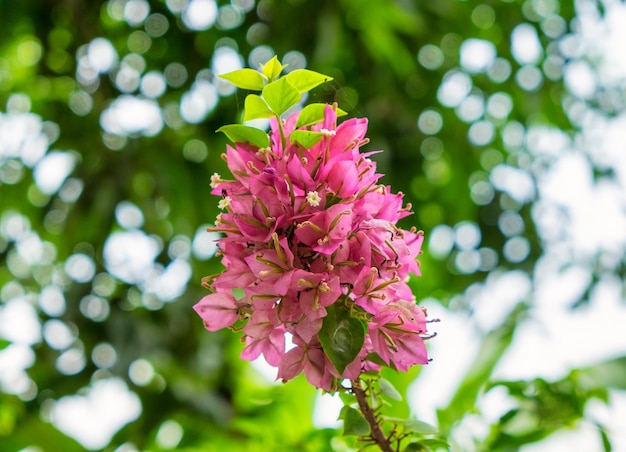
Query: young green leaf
x,y
314,113
305,80
255,108
246,79
387,389
306,138
272,68
341,336
281,95
238,133
354,423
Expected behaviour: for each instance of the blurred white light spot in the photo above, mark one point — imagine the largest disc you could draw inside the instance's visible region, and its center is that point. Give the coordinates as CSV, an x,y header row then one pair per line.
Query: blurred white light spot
x,y
130,115
52,301
430,56
152,84
326,411
169,435
481,133
511,223
488,259
294,60
175,74
169,283
141,372
482,193
19,322
30,248
94,418
580,79
136,11
430,122
477,55
471,109
71,361
130,256
200,14
226,59
467,235
57,334
101,55
517,183
441,241
52,170
95,308
176,6
196,104
513,135
525,45
467,261
499,105
500,70
529,78
454,88
516,249
80,267
204,244
128,215
104,355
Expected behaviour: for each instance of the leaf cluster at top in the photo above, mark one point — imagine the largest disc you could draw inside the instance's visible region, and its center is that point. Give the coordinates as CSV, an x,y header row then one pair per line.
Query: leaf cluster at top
x,y
277,95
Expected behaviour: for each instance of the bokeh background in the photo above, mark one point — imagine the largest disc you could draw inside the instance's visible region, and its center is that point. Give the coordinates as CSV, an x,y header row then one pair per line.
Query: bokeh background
x,y
502,121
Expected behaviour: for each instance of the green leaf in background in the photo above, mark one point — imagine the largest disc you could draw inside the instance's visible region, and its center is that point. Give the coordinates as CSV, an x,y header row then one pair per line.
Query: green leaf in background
x,y
246,79
256,108
387,389
281,95
306,138
238,133
272,68
341,336
313,114
305,80
354,423
4,343
420,427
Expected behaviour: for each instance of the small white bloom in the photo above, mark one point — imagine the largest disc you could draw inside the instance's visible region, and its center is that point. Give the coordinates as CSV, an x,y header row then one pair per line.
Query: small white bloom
x,y
328,133
313,198
224,202
215,180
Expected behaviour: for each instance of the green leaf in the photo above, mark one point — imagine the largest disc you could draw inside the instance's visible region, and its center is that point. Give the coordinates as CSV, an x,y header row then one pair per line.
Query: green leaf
x,y
313,114
256,108
387,389
238,133
281,95
341,336
420,427
4,343
272,68
306,138
305,80
246,79
354,423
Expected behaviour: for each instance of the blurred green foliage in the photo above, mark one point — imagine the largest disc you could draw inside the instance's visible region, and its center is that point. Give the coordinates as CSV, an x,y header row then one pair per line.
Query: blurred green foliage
x,y
389,60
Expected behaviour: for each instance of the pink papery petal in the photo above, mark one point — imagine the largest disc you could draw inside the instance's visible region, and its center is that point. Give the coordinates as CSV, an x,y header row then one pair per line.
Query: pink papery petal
x,y
217,310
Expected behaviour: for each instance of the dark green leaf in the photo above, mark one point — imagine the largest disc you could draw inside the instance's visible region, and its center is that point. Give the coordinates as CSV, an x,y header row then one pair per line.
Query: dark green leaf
x,y
246,79
387,389
354,423
305,80
281,95
306,138
341,336
4,343
256,108
238,133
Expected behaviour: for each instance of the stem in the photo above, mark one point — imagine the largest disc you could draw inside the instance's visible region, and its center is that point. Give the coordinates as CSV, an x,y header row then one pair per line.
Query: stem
x,y
377,433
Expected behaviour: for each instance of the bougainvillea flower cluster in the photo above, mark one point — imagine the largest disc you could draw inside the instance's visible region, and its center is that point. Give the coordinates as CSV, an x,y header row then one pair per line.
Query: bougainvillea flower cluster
x,y
310,239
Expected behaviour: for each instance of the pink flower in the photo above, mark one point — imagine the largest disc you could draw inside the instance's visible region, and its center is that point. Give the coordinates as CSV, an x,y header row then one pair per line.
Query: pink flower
x,y
303,230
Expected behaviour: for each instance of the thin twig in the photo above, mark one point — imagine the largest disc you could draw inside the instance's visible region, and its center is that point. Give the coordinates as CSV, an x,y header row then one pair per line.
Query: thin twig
x,y
377,433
